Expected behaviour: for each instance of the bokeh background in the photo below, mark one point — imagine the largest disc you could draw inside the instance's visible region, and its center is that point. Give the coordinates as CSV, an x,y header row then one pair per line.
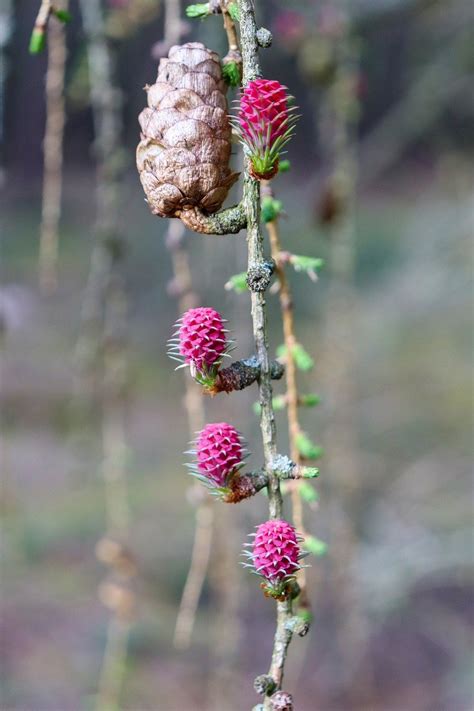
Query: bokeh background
x,y
388,325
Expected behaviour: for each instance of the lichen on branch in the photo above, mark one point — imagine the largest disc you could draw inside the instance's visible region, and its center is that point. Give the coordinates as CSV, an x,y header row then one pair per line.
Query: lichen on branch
x,y
226,222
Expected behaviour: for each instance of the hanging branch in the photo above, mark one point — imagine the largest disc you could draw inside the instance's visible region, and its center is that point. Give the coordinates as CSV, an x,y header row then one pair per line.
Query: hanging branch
x,y
38,36
104,332
251,201
292,398
54,133
196,576
181,286
232,62
6,25
53,155
226,587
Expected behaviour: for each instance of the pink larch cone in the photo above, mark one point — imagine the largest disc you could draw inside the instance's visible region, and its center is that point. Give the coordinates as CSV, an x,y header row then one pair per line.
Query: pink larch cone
x,y
200,340
265,123
218,452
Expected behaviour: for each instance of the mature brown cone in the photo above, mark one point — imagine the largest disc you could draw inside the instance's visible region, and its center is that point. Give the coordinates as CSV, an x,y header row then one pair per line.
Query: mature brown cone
x,y
183,156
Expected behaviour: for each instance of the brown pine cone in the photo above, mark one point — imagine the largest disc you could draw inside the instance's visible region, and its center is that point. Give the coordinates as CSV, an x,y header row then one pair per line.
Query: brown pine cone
x,y
183,156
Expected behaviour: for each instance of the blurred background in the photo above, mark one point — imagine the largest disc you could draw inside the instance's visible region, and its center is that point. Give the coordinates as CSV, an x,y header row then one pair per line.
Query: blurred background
x,y
92,411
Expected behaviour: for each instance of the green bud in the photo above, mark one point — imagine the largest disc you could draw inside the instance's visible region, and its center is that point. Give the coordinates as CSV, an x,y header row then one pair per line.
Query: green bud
x,y
271,209
237,283
306,448
284,166
307,492
299,261
310,265
62,15
315,545
37,41
199,10
310,472
279,403
305,615
234,11
231,74
310,400
302,359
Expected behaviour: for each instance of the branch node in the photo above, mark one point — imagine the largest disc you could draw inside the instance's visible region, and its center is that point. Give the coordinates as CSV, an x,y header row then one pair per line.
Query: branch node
x,y
285,468
229,221
259,275
282,466
264,37
243,486
277,370
298,625
264,684
233,55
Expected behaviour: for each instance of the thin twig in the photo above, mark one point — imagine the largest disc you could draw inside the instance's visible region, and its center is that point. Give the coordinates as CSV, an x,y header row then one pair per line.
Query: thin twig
x,y
196,576
43,15
226,587
6,26
194,405
105,316
292,395
53,155
230,28
251,201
